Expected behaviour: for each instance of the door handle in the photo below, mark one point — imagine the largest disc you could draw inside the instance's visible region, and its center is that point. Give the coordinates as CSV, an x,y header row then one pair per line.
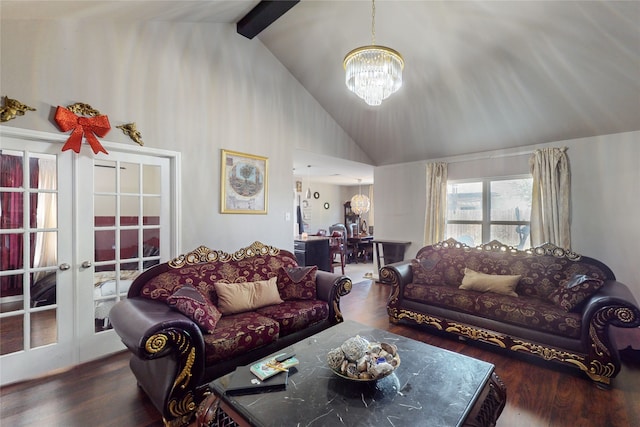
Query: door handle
x,y
64,266
86,264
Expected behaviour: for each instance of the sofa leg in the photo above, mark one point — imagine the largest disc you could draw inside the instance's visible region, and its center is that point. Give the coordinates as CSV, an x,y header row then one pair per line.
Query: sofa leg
x,y
178,422
603,382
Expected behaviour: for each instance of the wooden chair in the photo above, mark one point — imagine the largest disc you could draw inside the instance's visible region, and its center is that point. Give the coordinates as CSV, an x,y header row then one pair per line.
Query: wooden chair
x,y
337,250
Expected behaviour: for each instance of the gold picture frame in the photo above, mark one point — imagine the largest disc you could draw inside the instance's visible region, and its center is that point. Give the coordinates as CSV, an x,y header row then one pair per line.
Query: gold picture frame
x,y
244,183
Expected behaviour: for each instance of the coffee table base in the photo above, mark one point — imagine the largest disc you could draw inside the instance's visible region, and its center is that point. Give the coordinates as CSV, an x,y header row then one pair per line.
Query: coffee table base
x,y
214,412
490,404
434,386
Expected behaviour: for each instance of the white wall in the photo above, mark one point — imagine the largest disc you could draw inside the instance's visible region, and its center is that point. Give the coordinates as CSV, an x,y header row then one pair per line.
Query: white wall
x,y
318,216
193,88
605,179
198,88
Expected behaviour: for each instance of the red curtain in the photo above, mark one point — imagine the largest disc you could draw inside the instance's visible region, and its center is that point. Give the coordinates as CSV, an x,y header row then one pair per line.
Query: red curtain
x,y
12,249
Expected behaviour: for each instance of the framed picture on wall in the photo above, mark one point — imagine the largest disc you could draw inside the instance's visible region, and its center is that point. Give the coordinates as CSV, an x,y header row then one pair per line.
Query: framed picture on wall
x,y
244,183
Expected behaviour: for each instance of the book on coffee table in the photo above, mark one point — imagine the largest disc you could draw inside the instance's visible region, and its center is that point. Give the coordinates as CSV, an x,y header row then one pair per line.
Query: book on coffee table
x,y
269,367
243,381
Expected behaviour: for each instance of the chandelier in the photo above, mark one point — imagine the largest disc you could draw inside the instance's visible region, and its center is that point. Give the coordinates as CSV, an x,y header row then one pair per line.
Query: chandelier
x,y
373,72
360,203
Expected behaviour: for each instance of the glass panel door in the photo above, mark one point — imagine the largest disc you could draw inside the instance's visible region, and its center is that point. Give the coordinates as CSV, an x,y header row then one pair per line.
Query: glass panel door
x,y
36,278
126,208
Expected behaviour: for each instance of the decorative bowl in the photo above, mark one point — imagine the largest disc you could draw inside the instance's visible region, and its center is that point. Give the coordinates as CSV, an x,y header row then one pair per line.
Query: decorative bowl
x,y
357,359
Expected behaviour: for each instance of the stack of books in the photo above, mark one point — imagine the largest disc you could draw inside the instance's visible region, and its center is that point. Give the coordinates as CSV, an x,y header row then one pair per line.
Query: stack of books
x,y
270,374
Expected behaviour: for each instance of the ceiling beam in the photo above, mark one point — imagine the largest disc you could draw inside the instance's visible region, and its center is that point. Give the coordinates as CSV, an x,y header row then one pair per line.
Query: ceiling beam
x,y
263,15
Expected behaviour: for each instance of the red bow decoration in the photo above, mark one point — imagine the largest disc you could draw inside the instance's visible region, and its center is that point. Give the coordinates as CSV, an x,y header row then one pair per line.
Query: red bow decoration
x,y
87,126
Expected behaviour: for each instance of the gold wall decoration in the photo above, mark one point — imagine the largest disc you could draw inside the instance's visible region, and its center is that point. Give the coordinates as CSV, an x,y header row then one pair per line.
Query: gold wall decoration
x,y
13,108
130,130
83,109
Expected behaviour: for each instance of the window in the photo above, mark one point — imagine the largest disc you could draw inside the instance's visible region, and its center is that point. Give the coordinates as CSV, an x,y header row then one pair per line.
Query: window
x,y
480,211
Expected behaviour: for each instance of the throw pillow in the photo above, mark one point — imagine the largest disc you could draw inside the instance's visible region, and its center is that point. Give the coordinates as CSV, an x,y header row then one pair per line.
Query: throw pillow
x,y
499,284
297,282
193,304
424,272
245,296
575,290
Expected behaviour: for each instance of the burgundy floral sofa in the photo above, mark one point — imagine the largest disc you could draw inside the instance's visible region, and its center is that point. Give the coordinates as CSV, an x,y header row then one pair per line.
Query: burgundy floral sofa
x,y
204,313
545,301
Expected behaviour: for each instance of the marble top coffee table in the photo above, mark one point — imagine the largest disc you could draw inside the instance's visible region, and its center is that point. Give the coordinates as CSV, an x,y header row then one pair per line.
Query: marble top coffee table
x,y
431,387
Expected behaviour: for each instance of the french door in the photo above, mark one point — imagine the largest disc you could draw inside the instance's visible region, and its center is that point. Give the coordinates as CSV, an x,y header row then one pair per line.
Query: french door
x,y
36,298
76,230
124,207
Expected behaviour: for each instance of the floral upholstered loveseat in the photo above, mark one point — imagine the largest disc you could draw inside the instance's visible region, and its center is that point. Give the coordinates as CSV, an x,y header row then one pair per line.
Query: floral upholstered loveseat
x,y
545,301
204,313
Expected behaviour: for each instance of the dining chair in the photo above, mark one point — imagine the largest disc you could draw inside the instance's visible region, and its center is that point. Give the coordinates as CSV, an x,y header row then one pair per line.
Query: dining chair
x,y
337,250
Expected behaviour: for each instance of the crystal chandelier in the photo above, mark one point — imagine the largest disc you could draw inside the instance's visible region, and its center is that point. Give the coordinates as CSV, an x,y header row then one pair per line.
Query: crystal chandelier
x,y
373,72
360,203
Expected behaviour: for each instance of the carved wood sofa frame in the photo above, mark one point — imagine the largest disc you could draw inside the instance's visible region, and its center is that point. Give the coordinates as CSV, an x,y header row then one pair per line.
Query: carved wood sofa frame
x,y
612,305
168,348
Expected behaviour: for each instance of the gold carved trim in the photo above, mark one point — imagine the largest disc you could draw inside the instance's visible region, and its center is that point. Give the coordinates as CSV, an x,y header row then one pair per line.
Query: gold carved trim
x,y
497,246
595,369
184,407
156,343
343,289
181,406
204,254
256,249
549,353
599,326
185,374
555,251
180,421
83,109
451,243
601,372
477,334
198,255
418,318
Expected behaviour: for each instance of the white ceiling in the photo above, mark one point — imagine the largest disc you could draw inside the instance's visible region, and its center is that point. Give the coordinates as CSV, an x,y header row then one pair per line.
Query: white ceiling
x,y
479,75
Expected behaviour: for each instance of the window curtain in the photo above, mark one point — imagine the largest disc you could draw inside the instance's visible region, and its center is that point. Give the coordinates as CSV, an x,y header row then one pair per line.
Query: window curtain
x,y
436,209
550,216
12,217
371,205
46,251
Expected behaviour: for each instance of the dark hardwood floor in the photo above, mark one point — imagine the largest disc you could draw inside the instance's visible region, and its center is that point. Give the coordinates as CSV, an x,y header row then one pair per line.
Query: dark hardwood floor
x,y
104,392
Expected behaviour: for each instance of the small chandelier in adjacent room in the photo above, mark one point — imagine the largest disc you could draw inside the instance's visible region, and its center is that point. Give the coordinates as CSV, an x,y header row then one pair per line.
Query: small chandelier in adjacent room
x,y
373,72
360,203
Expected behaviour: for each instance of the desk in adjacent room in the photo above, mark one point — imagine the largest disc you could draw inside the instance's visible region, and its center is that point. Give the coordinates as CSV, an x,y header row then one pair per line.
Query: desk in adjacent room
x,y
392,251
314,250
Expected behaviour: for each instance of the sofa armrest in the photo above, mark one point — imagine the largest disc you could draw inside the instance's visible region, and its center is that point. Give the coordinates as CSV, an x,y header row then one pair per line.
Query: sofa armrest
x,y
330,287
165,342
138,319
612,305
398,275
402,270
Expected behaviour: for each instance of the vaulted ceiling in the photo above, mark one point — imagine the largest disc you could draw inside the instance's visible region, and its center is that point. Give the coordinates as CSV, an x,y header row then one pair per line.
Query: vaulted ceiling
x,y
479,75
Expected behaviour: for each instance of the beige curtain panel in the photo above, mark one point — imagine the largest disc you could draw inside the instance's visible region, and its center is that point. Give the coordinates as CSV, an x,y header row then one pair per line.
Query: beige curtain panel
x,y
371,207
550,205
436,209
